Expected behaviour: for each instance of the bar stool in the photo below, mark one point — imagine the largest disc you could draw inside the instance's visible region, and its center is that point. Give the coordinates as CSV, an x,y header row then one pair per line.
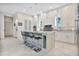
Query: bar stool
x,y
31,39
38,39
37,48
24,36
27,38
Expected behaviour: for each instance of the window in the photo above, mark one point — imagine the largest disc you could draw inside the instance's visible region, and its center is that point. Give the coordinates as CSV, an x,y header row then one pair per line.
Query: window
x,y
58,22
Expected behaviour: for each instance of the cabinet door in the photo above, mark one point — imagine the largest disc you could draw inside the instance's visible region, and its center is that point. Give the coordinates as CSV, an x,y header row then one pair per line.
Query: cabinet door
x,y
27,25
65,36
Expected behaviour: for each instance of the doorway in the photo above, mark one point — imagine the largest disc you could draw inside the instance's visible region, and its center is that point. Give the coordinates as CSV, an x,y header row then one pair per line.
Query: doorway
x,y
8,26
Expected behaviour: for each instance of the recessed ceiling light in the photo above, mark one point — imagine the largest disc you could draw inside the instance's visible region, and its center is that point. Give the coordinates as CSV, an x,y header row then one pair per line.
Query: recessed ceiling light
x,y
50,7
30,7
35,16
40,11
24,10
44,13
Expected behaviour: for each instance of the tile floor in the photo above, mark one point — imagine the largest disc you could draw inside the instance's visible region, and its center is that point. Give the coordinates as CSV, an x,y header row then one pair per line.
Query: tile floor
x,y
14,47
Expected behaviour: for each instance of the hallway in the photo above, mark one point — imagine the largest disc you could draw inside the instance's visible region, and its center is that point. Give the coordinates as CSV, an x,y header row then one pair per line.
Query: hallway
x,y
14,47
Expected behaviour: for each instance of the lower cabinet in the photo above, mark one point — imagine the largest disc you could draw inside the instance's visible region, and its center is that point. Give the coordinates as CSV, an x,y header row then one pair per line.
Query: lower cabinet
x,y
65,36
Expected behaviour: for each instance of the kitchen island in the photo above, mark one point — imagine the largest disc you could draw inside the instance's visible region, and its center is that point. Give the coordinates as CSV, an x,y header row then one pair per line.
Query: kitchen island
x,y
39,40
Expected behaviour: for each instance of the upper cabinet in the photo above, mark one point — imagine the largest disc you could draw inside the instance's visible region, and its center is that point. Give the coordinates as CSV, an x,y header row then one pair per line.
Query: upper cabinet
x,y
27,25
66,13
26,21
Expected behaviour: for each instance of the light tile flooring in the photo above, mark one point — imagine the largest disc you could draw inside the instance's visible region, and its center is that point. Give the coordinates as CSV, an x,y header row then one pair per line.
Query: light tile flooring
x,y
14,47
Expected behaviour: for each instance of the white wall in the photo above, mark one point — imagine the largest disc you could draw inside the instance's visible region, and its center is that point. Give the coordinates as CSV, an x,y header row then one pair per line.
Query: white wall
x,y
20,17
1,26
2,23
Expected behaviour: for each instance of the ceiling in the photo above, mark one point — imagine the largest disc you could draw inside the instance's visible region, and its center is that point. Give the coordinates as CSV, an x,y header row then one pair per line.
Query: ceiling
x,y
28,8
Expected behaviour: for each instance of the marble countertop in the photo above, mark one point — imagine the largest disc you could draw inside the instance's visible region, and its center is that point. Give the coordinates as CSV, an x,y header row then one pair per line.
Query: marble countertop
x,y
39,31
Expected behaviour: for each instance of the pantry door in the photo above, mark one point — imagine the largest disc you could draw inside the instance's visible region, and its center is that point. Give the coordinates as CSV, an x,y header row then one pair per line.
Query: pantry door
x,y
8,26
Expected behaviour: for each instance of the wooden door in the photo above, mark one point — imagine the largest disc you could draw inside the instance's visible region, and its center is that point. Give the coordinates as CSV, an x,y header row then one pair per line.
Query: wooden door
x,y
8,26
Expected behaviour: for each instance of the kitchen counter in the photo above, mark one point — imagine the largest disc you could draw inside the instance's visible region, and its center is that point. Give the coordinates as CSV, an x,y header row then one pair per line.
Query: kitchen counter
x,y
46,42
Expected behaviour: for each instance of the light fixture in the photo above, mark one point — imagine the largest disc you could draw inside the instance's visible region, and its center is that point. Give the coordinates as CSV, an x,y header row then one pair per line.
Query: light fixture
x,y
44,14
24,10
35,16
35,3
50,7
40,11
30,7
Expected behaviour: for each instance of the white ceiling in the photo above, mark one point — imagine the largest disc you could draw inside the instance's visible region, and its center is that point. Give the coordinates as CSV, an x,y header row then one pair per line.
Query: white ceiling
x,y
28,8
